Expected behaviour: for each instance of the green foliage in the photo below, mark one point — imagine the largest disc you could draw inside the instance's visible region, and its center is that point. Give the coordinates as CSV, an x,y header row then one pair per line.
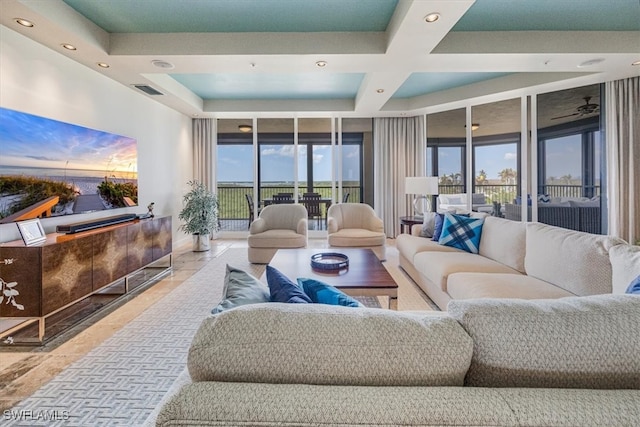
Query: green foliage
x,y
115,192
33,190
200,210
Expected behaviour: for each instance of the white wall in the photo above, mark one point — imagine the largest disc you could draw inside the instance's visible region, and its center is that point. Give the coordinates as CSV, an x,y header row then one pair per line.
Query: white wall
x,y
37,80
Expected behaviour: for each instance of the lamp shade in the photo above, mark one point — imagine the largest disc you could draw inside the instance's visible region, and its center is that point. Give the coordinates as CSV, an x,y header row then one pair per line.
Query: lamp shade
x,y
421,185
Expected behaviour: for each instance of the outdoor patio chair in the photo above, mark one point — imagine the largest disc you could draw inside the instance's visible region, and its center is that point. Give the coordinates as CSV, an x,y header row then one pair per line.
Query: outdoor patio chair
x,y
252,209
311,202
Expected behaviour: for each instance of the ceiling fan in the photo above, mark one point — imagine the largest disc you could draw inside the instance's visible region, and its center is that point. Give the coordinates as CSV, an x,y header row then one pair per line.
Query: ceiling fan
x,y
582,110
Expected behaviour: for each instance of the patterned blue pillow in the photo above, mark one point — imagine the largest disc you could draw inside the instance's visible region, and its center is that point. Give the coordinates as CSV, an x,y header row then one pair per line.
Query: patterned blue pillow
x,y
634,286
282,289
240,288
544,198
323,293
461,232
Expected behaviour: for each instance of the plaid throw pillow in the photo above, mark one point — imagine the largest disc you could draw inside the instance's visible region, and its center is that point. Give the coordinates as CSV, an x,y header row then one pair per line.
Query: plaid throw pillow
x,y
461,232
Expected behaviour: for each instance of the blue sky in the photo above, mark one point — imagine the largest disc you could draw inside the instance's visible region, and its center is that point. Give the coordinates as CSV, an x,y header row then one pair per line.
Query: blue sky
x,y
235,162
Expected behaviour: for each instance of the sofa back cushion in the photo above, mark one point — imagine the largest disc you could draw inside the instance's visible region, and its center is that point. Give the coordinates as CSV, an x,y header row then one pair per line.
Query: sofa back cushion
x,y
504,241
351,215
574,342
625,263
575,261
321,344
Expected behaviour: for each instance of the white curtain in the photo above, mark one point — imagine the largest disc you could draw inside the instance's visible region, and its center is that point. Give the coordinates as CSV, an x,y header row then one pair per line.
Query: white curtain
x,y
399,149
204,133
623,158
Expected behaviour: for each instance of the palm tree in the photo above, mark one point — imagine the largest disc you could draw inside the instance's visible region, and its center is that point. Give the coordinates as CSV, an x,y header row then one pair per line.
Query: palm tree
x,y
482,177
508,176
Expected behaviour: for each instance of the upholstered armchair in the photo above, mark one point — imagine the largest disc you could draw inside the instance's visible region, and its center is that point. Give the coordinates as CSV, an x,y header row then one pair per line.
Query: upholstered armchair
x,y
354,224
278,226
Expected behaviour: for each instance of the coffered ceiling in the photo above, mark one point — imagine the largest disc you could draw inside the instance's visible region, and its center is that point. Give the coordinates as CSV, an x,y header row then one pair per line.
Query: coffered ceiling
x,y
229,58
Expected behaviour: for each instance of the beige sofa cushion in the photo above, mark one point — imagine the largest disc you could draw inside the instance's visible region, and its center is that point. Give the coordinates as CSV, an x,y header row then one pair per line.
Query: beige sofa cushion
x,y
277,239
321,344
437,266
245,404
577,342
504,241
500,285
408,246
576,261
625,263
356,237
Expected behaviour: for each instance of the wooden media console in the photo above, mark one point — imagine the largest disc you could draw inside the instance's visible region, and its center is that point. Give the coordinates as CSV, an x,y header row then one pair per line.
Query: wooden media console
x,y
64,279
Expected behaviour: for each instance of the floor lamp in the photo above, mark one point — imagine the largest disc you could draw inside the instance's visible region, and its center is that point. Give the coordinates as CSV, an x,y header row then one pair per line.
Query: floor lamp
x,y
423,187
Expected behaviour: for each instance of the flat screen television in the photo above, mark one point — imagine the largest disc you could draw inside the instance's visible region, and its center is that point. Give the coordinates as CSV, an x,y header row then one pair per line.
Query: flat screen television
x,y
52,168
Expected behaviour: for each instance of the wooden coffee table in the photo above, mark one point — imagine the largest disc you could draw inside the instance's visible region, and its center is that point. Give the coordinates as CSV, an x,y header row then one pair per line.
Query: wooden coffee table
x,y
365,276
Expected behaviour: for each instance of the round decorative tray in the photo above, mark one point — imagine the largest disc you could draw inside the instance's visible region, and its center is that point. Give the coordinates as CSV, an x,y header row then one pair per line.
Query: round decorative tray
x,y
329,261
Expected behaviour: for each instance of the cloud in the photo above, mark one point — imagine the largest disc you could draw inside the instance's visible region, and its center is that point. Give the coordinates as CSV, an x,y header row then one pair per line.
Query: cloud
x,y
510,156
317,158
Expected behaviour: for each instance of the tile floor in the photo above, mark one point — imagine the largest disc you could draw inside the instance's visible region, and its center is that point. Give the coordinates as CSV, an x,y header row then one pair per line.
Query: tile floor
x,y
25,369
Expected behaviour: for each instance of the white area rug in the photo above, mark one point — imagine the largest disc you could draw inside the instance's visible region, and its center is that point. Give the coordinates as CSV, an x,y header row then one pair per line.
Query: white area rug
x,y
123,381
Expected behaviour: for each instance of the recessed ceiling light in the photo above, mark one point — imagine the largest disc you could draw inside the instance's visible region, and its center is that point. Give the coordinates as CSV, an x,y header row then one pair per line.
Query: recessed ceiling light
x,y
636,63
163,64
380,90
321,64
245,128
68,46
474,126
103,65
24,22
432,17
590,62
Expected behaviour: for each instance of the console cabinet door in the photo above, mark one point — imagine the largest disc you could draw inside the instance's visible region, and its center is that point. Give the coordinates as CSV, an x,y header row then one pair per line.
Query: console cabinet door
x,y
139,245
20,272
66,273
162,243
109,257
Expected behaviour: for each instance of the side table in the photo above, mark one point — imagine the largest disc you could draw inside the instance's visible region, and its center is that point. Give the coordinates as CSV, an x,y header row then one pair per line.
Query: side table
x,y
409,221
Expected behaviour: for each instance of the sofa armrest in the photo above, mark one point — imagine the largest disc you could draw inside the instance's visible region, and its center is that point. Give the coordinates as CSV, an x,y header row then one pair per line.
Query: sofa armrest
x,y
332,225
302,226
416,229
376,224
258,226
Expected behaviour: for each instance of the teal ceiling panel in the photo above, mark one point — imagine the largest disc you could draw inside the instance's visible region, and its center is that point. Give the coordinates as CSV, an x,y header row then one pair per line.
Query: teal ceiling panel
x,y
272,86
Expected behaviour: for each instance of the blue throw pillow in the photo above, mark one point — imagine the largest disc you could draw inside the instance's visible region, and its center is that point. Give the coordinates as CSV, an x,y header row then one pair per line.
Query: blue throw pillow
x,y
282,289
323,293
461,232
634,286
437,227
240,288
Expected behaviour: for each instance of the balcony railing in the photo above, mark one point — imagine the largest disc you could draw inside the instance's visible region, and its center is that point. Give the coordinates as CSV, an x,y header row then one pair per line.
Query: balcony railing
x,y
234,210
506,193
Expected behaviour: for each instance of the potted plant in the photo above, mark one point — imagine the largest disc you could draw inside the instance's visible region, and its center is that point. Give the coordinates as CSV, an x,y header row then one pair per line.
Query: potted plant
x,y
200,215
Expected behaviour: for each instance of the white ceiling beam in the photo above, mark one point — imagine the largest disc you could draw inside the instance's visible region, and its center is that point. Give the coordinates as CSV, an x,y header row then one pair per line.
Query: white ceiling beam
x,y
526,42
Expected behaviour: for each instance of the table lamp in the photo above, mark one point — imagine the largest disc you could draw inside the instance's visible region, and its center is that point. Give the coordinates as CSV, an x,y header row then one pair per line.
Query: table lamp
x,y
423,186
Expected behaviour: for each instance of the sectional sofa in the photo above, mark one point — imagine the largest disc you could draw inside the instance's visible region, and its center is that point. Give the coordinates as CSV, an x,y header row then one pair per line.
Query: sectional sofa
x,y
489,362
447,202
515,260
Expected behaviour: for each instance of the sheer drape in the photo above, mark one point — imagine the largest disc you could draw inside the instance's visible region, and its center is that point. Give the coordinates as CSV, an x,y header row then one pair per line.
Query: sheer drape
x,y
399,148
623,158
204,133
